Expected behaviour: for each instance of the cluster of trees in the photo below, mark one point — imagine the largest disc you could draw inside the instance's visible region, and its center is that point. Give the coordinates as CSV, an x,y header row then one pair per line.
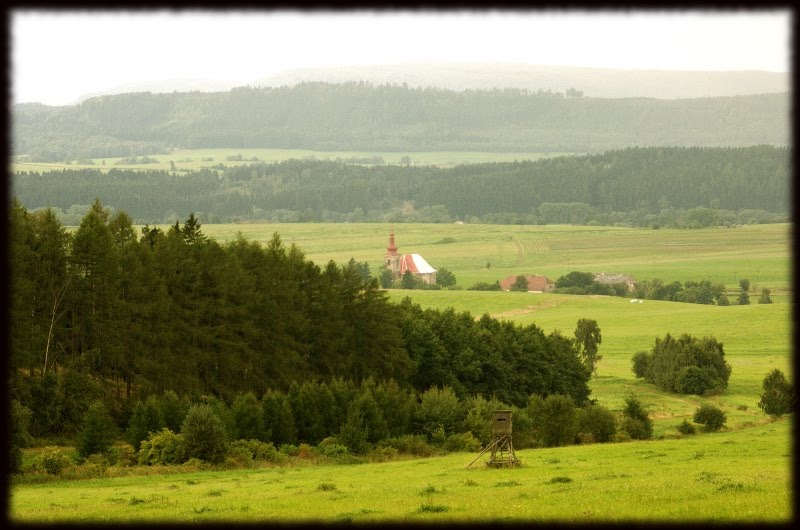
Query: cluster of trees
x,y
357,418
576,282
658,187
362,117
175,310
686,365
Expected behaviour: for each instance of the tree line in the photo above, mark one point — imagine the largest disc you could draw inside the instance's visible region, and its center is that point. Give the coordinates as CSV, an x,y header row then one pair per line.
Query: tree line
x,y
658,187
175,310
363,117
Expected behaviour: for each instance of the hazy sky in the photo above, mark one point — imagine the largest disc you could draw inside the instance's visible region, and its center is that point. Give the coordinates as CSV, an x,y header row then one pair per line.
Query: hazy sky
x,y
58,56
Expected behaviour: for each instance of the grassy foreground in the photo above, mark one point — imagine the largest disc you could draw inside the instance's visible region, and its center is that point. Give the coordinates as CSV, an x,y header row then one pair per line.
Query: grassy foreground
x,y
731,476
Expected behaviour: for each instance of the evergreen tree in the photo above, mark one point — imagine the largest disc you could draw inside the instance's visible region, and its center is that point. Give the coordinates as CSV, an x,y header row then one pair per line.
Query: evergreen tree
x,y
204,434
98,431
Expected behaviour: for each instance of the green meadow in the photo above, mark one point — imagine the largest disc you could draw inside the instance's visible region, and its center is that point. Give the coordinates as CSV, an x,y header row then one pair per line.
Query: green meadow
x,y
723,477
195,159
739,474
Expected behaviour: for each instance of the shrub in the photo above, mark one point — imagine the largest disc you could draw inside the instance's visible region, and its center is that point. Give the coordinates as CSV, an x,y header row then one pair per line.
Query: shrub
x,y
19,421
146,418
204,434
636,429
257,449
416,445
439,407
778,397
670,356
331,447
696,380
289,449
555,419
464,442
52,461
621,436
710,416
353,433
172,410
597,421
636,421
686,428
248,421
122,455
162,448
641,363
98,431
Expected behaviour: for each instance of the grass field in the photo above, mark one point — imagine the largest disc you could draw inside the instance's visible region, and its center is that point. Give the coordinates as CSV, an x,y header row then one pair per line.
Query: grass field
x,y
736,476
194,159
740,474
760,253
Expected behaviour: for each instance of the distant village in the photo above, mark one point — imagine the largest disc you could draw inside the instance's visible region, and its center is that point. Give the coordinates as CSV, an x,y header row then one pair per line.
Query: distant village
x,y
419,268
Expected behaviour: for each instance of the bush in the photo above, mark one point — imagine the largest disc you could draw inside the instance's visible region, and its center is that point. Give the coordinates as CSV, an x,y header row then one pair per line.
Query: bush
x,y
686,428
289,449
123,455
696,380
439,407
710,416
19,421
331,448
641,363
98,431
257,449
464,442
636,421
172,410
636,429
670,356
555,419
416,445
778,397
247,417
597,421
204,434
146,418
162,448
52,461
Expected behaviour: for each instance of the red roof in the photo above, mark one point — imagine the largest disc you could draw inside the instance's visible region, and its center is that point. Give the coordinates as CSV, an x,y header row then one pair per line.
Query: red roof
x,y
415,264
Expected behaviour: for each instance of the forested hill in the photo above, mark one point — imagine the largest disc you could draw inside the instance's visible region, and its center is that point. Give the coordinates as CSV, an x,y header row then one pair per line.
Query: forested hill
x,y
569,189
362,117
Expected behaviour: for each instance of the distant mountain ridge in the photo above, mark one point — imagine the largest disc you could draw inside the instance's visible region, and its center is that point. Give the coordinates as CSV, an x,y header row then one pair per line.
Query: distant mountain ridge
x,y
363,117
593,82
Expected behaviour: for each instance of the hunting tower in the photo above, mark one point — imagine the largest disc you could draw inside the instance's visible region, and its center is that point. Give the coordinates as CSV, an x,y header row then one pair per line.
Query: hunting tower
x,y
501,445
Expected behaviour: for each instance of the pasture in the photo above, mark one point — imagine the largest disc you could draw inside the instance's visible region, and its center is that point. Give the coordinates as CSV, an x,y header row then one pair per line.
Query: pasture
x,y
739,474
735,476
196,159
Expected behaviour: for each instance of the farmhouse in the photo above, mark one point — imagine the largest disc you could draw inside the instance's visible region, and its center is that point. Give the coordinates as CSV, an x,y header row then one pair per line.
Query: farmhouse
x,y
536,283
611,279
414,263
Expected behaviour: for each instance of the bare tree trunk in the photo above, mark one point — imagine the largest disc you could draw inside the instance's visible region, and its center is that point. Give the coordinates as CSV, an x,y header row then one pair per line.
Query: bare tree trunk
x,y
57,298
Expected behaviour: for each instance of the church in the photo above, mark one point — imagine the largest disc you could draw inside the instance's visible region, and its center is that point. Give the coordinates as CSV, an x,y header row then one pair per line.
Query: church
x,y
414,263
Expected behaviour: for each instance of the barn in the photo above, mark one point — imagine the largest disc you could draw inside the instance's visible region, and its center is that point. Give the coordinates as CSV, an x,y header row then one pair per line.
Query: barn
x,y
536,283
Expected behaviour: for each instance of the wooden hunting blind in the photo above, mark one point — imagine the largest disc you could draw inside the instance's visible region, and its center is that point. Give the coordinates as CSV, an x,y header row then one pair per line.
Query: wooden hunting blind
x,y
501,445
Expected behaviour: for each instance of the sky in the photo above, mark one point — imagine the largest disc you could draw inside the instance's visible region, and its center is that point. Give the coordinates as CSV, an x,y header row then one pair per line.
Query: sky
x,y
57,57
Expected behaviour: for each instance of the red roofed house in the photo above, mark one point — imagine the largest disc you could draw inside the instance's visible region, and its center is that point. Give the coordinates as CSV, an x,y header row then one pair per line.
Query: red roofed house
x,y
414,263
536,283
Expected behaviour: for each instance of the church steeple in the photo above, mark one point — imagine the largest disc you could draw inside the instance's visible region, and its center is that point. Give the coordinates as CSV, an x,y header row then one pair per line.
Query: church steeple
x,y
392,259
391,250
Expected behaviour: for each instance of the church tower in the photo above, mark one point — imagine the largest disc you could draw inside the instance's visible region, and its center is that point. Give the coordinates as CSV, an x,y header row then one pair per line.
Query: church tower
x,y
391,259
